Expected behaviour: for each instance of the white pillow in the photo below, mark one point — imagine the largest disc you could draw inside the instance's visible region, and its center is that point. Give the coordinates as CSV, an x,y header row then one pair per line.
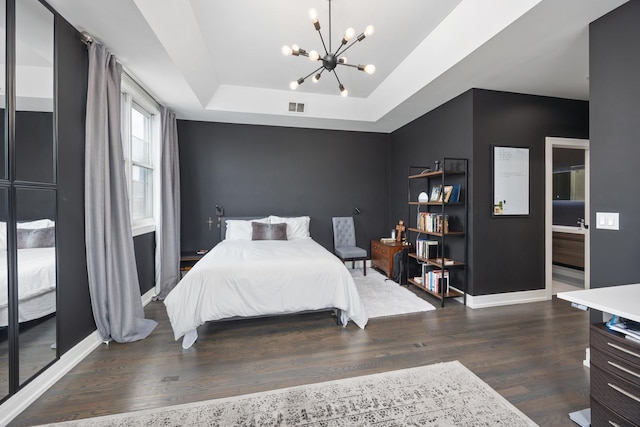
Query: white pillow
x,y
297,227
39,223
238,229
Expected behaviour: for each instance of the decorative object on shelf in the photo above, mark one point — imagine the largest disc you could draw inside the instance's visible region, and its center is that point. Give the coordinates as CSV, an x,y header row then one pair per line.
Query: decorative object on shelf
x,y
426,170
423,197
448,189
435,193
437,162
331,59
400,228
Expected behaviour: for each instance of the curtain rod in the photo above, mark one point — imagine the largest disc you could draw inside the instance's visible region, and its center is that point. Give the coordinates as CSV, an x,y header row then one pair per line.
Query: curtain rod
x,y
86,38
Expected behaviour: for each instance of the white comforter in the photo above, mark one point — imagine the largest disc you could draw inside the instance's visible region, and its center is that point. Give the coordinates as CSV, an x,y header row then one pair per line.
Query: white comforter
x,y
253,278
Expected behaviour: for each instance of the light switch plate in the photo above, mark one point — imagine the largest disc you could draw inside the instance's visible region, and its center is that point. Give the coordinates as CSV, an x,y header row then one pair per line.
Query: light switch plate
x,y
608,220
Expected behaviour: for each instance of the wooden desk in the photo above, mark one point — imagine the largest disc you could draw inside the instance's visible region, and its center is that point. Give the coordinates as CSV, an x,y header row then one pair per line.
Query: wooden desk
x,y
614,360
382,255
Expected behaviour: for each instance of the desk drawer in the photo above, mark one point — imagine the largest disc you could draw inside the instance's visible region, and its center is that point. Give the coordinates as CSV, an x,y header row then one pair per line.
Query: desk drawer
x,y
611,363
379,249
620,395
614,344
603,416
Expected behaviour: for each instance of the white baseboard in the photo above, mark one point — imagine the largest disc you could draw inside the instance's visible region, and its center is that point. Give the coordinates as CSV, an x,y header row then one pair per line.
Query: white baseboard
x,y
36,388
507,298
25,397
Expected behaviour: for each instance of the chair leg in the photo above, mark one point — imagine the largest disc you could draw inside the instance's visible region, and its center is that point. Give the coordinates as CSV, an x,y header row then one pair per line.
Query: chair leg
x,y
364,266
353,264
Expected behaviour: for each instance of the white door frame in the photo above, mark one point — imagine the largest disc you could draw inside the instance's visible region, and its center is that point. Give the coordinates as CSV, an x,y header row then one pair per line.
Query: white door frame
x,y
550,144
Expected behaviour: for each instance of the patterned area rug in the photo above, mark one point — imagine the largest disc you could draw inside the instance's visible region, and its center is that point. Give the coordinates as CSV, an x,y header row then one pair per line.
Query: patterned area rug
x,y
444,394
384,297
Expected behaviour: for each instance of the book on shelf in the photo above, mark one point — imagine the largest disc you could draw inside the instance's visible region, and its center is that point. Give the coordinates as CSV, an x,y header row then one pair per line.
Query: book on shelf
x,y
387,239
433,222
434,280
455,193
426,248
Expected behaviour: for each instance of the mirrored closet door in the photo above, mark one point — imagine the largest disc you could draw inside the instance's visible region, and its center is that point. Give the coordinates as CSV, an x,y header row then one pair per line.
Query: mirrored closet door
x,y
28,336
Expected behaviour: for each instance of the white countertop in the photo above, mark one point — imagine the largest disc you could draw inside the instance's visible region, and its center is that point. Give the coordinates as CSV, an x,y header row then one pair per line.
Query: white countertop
x,y
623,300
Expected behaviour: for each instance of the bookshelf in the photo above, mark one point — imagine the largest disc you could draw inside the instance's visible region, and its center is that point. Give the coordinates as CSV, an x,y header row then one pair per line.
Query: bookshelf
x,y
438,226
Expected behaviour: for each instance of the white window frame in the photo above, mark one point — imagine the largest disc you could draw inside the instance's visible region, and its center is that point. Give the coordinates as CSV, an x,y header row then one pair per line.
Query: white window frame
x,y
132,93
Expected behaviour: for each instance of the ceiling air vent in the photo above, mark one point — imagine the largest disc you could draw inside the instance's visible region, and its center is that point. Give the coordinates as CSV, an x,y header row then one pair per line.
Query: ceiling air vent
x,y
296,107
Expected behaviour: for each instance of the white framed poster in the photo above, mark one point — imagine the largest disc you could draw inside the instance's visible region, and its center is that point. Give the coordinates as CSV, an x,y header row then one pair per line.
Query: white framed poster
x,y
510,181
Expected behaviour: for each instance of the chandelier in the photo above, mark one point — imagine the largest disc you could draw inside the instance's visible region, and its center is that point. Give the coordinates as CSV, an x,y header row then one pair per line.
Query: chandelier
x,y
330,60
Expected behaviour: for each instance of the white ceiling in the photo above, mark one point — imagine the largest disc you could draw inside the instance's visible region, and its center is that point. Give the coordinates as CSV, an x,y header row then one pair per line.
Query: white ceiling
x,y
220,60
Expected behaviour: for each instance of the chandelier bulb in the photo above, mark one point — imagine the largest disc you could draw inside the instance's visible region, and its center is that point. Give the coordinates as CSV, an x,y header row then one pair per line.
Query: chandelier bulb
x,y
348,35
314,55
369,30
343,91
295,49
293,85
342,60
369,68
316,78
286,50
313,15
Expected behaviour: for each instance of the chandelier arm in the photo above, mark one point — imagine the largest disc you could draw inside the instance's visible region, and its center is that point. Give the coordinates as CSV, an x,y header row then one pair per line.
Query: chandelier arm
x,y
348,65
326,52
312,73
336,74
341,51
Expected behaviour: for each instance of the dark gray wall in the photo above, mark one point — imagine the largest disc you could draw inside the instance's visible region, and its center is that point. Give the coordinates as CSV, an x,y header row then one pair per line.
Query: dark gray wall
x,y
144,247
509,251
75,318
615,143
505,254
262,170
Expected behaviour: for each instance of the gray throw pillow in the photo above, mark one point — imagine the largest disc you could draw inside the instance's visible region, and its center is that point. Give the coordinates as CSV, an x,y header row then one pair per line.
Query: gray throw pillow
x,y
262,231
36,238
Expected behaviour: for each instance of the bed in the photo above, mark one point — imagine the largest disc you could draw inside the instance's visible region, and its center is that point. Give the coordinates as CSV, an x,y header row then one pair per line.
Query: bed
x,y
36,271
243,277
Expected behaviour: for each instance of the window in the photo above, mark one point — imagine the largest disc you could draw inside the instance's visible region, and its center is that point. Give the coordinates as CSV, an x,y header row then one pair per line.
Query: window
x,y
140,142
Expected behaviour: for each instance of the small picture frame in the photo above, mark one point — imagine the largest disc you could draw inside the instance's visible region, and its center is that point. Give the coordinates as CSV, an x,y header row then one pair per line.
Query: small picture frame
x,y
435,193
448,189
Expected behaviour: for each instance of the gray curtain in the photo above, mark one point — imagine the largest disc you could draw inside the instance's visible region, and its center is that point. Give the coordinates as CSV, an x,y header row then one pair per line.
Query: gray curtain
x,y
168,227
113,277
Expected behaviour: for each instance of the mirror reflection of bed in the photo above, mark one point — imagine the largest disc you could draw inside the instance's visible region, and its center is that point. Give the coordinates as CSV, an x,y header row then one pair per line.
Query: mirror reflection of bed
x,y
36,262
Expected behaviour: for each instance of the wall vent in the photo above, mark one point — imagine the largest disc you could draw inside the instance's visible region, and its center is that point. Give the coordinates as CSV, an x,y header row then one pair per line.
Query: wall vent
x,y
296,107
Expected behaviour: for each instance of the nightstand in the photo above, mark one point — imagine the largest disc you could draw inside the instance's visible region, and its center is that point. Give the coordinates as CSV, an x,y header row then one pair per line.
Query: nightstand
x,y
382,255
188,260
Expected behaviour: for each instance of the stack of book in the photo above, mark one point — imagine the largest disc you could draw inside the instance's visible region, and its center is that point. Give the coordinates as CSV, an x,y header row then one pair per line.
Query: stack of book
x,y
426,248
433,222
433,280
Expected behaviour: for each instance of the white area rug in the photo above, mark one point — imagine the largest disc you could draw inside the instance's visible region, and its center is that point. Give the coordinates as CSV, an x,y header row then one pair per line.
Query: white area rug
x,y
444,394
383,297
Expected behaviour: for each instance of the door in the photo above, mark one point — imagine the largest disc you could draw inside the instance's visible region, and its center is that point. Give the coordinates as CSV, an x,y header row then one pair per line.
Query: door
x,y
566,212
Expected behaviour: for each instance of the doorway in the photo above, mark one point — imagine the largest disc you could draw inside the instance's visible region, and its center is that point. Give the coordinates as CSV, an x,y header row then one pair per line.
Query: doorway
x,y
566,215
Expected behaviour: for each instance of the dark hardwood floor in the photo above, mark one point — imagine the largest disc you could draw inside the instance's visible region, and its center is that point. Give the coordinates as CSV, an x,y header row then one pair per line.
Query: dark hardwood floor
x,y
530,353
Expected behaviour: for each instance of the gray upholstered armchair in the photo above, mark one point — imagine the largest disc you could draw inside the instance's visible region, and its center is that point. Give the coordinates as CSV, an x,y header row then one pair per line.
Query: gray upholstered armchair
x,y
344,242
